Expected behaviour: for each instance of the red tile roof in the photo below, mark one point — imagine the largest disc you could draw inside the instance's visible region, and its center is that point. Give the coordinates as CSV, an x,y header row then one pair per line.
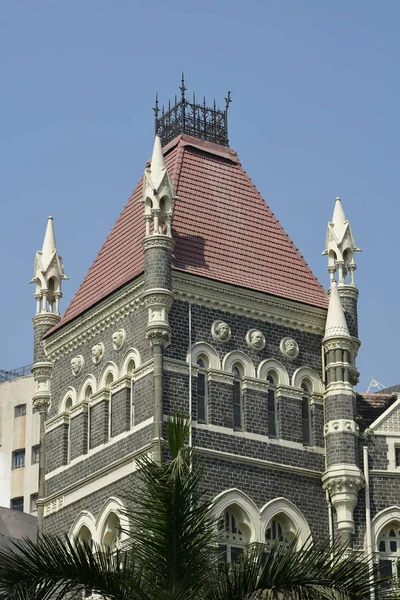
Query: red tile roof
x,y
222,227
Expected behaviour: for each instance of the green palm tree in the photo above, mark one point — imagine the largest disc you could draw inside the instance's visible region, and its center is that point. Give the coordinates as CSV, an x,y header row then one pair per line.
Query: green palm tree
x,y
171,551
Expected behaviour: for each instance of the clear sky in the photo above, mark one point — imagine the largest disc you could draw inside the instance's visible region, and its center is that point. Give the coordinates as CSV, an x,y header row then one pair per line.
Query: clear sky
x,y
315,114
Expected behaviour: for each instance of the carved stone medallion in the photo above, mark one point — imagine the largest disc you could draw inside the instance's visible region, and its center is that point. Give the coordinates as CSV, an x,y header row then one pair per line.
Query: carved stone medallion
x,y
97,352
77,364
221,331
255,339
289,347
118,339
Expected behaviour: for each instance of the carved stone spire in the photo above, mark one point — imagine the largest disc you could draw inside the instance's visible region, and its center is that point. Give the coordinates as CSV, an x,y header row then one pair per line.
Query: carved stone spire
x,y
340,246
48,274
157,194
336,326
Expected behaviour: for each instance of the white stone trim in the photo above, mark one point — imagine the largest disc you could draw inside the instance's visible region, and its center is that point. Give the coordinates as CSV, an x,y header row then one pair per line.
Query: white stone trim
x,y
341,426
131,354
287,391
316,398
101,447
109,367
99,396
70,392
237,356
220,376
116,506
56,421
204,348
84,519
271,364
144,369
88,325
252,383
89,380
78,408
382,520
311,375
121,384
257,437
264,307
388,423
269,464
385,472
176,366
281,506
339,387
248,513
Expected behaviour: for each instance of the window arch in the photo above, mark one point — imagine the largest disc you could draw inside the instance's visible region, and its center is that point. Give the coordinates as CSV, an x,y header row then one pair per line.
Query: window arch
x,y
202,388
111,524
272,379
83,528
131,355
239,358
288,519
389,549
203,349
109,369
233,534
274,366
69,396
110,535
90,382
306,411
312,378
237,396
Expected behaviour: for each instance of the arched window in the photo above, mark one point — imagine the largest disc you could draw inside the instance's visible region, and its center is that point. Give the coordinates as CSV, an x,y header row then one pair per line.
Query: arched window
x,y
129,371
278,531
84,536
233,536
109,380
306,416
237,398
112,532
271,405
202,389
68,406
389,550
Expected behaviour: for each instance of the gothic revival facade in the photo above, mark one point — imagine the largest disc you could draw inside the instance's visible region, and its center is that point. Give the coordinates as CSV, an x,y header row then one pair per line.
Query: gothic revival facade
x,y
198,302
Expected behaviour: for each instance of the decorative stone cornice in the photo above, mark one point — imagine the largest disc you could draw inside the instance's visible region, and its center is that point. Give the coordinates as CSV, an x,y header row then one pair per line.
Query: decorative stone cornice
x,y
353,344
349,291
56,421
343,479
339,387
341,426
287,391
53,506
249,303
79,408
41,401
121,384
158,241
316,398
42,370
48,319
96,320
144,369
251,383
101,395
158,296
178,366
220,376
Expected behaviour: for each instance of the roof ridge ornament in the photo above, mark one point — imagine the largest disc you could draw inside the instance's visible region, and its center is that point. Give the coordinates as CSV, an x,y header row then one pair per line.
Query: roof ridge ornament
x,y
198,120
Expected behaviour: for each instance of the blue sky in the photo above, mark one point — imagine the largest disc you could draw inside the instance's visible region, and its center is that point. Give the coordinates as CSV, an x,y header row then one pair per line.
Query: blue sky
x,y
315,114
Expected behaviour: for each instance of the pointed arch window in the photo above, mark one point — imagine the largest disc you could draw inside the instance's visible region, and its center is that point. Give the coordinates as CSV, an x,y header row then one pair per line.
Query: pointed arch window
x,y
237,398
306,413
272,428
112,532
68,406
389,550
202,390
130,368
279,531
233,537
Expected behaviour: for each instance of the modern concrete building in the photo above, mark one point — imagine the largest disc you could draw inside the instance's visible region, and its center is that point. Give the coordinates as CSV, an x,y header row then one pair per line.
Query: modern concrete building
x,y
198,301
19,442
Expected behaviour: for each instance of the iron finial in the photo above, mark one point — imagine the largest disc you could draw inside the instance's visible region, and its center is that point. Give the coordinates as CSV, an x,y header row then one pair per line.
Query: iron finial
x,y
182,87
228,100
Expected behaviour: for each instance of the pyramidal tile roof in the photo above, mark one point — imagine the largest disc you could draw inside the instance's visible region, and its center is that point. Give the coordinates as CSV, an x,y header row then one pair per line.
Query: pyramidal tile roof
x,y
222,227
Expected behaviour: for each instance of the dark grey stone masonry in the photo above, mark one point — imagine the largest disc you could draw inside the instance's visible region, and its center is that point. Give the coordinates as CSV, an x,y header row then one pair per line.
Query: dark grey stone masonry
x,y
342,448
120,411
157,266
99,423
57,447
340,406
79,434
349,304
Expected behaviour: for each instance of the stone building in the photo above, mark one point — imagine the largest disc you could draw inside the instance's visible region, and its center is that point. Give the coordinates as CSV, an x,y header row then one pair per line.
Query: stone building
x,y
19,441
199,302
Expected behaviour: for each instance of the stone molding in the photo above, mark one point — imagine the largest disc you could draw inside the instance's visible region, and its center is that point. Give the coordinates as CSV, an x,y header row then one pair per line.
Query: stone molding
x,y
388,423
53,506
144,369
158,296
348,290
42,370
48,319
343,483
220,376
78,408
339,387
249,303
251,383
316,398
178,366
96,320
56,421
158,241
287,391
121,384
99,396
341,426
159,336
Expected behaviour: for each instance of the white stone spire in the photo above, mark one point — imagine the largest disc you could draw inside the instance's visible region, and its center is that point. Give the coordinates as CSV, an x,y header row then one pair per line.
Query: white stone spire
x,y
48,274
340,246
336,325
157,193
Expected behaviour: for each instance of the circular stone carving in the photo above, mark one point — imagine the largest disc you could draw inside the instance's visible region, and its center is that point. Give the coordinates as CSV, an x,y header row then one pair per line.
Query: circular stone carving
x,y
255,339
289,347
118,339
77,364
97,352
221,331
